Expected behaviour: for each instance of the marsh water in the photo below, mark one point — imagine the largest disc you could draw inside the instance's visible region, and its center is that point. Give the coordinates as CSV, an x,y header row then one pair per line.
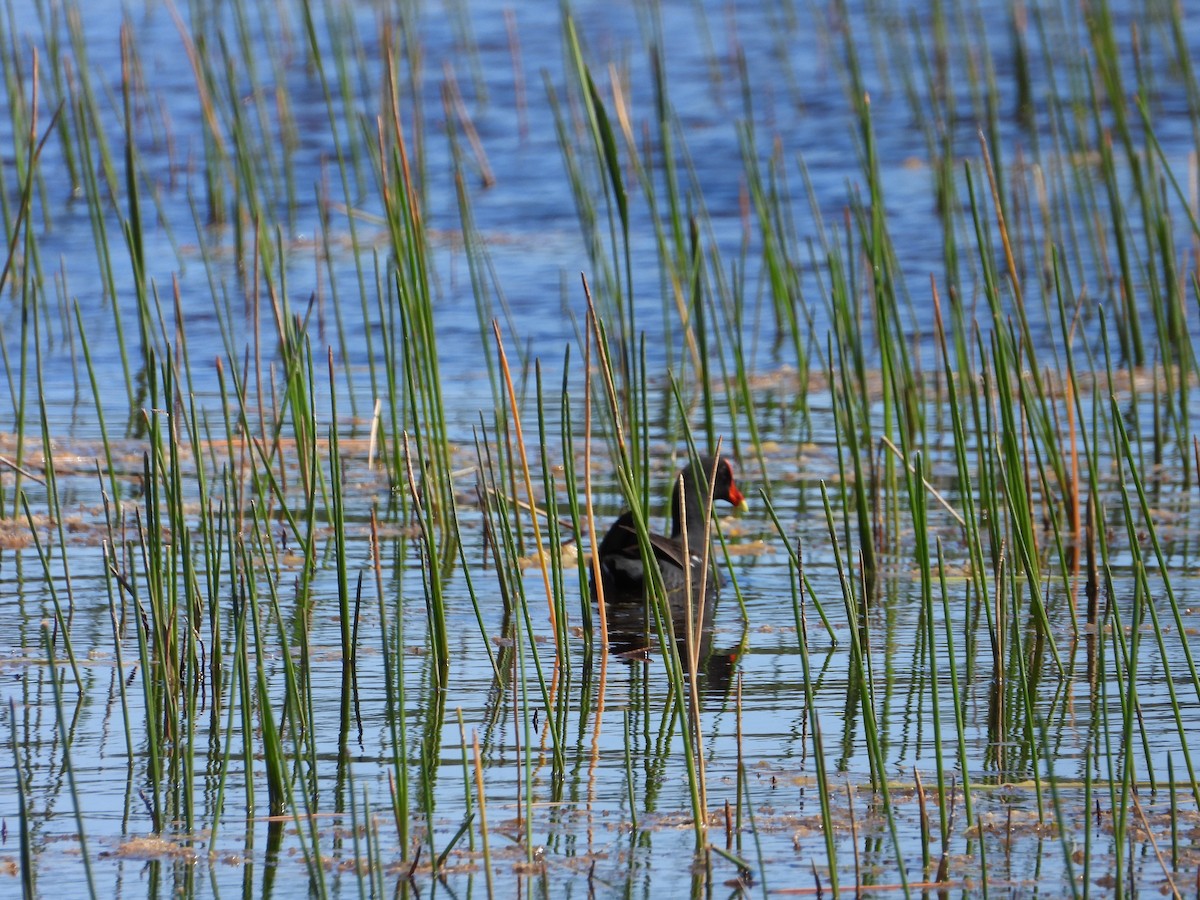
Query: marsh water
x,y
610,811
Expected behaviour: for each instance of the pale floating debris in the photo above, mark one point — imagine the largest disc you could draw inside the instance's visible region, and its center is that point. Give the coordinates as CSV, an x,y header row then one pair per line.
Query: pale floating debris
x,y
152,848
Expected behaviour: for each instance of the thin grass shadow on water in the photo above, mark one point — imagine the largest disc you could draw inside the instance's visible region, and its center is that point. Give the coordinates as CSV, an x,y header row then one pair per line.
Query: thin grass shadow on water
x,y
315,432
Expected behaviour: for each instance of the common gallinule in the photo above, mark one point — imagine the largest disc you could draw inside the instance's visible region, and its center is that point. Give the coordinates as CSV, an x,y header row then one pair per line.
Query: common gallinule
x,y
621,569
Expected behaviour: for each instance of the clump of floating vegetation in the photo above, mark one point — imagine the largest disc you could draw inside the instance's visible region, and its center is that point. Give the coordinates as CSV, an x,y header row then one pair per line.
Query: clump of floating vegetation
x,y
335,337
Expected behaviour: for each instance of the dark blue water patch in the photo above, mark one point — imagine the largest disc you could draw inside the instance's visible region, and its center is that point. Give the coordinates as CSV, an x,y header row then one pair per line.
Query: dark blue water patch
x,y
530,197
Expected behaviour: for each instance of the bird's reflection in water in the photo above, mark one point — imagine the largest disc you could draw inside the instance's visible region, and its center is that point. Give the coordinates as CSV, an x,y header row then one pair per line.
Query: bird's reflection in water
x,y
633,636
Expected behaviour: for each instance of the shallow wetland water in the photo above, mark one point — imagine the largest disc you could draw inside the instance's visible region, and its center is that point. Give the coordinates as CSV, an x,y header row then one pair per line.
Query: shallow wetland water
x,y
308,409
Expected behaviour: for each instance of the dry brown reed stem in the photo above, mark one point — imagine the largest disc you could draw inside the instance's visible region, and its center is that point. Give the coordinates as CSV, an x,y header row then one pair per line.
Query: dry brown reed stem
x,y
483,829
923,809
589,333
532,508
1154,845
207,106
35,151
1010,261
514,50
533,519
455,100
5,461
933,492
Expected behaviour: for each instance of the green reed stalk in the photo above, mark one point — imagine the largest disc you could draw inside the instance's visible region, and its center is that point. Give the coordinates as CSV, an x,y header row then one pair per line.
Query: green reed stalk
x,y
853,421
1005,355
1118,761
464,828
630,366
469,583
576,508
554,550
860,662
794,558
344,47
915,479
1091,750
64,736
524,727
28,870
336,129
97,114
468,801
19,225
772,206
272,746
132,225
1120,782
393,368
960,725
418,335
630,786
298,707
336,302
715,449
1174,814
337,515
117,620
796,573
1146,524
1026,689
960,444
267,149
1062,818
15,91
539,549
393,654
224,743
29,312
62,623
683,706
983,868
581,187
482,275
280,790
241,687
673,252
190,600
508,551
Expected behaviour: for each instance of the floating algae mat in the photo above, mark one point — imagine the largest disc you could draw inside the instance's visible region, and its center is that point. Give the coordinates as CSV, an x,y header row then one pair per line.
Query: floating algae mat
x,y
337,336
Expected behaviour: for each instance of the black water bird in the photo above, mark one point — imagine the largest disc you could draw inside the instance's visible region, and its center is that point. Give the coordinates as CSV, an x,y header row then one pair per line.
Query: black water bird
x,y
622,571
